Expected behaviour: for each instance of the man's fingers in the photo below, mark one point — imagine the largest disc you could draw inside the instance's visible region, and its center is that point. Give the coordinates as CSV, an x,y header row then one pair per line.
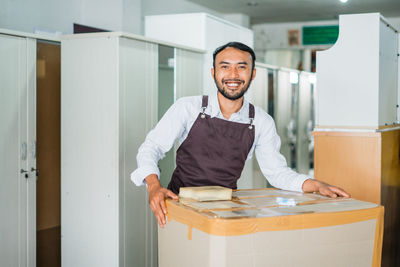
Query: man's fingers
x,y
339,191
325,191
161,216
160,205
158,212
156,205
171,194
163,207
159,221
331,194
153,207
157,198
334,192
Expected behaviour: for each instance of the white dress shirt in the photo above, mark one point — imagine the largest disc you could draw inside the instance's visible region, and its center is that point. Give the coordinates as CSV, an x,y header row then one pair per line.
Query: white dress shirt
x,y
177,122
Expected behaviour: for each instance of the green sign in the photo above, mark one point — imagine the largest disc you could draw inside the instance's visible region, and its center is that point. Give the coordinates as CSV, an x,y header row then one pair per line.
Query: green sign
x,y
320,35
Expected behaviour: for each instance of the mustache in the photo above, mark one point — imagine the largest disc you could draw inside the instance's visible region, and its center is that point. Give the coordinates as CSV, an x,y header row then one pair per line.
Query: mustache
x,y
232,80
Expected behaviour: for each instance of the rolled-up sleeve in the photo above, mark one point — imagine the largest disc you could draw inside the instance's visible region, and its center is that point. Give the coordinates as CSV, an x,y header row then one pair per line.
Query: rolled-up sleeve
x,y
159,141
272,163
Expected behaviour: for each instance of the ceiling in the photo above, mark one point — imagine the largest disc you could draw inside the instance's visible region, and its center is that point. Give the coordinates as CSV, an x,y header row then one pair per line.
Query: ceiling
x,y
269,11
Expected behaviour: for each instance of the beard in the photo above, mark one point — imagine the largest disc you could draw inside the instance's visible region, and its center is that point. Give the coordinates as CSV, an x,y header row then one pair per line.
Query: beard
x,y
237,95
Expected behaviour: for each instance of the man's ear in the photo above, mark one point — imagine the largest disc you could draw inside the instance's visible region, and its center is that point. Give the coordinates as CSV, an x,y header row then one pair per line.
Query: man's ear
x,y
212,72
254,74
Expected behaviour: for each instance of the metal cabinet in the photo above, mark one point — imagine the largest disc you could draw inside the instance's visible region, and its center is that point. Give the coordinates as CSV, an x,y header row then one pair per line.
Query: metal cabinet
x,y
110,99
358,76
18,148
294,117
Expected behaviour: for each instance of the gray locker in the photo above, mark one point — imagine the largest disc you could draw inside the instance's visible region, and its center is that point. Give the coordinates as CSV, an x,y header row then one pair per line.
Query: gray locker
x,y
110,100
18,147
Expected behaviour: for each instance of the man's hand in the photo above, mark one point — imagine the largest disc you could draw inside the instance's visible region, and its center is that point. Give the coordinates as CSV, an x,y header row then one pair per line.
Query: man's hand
x,y
157,196
312,185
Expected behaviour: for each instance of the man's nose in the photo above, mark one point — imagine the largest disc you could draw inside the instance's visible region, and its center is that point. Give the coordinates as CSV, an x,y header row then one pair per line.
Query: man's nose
x,y
234,73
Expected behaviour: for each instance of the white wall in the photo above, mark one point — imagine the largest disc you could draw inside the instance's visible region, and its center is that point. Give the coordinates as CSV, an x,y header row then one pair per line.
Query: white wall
x,y
275,35
57,15
284,58
115,15
132,16
162,7
238,18
271,37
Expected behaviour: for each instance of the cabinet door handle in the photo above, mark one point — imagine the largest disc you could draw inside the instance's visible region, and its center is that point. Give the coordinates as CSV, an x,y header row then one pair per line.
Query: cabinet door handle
x,y
36,171
26,173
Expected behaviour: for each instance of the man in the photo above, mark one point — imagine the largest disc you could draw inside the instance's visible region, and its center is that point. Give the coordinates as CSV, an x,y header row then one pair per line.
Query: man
x,y
217,134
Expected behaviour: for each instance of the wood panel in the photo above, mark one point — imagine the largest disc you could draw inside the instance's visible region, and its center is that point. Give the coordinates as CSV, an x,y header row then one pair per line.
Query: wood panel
x,y
390,197
48,199
49,247
351,161
367,165
48,135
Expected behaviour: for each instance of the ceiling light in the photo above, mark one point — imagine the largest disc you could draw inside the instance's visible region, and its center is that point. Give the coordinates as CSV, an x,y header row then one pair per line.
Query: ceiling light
x,y
252,3
312,79
343,1
294,78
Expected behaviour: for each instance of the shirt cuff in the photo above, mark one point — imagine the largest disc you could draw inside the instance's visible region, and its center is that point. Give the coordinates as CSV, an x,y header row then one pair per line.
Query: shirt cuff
x,y
141,173
302,178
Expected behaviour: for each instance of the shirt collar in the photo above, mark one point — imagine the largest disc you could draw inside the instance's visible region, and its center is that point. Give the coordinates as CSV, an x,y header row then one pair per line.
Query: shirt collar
x,y
215,110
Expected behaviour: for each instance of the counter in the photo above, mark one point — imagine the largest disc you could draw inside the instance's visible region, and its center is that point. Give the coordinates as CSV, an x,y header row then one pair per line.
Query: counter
x,y
256,228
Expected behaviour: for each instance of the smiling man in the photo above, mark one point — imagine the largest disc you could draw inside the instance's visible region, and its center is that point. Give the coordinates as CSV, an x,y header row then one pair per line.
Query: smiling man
x,y
217,134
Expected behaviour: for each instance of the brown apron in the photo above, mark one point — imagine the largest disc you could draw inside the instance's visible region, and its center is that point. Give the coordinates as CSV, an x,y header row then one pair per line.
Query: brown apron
x,y
213,153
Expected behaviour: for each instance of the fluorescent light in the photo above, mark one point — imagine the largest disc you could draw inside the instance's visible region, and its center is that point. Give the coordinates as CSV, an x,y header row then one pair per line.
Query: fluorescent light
x,y
252,3
294,78
343,1
312,79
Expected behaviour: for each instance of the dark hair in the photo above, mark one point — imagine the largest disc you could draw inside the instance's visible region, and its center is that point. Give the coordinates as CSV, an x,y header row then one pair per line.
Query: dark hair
x,y
236,45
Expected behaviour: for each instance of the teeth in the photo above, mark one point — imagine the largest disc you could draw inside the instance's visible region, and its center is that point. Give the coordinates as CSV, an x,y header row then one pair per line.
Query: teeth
x,y
232,84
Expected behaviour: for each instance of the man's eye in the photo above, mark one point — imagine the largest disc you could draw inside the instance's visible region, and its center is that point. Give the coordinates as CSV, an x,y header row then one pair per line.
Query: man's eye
x,y
242,67
224,67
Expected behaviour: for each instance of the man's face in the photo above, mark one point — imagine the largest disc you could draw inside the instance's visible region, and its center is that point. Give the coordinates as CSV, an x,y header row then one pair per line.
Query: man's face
x,y
233,72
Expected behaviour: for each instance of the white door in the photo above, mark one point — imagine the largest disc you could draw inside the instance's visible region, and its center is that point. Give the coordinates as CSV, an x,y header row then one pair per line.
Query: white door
x,y
17,134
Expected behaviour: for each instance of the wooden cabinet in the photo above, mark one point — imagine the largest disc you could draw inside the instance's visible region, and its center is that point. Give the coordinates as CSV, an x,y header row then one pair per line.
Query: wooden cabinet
x,y
367,165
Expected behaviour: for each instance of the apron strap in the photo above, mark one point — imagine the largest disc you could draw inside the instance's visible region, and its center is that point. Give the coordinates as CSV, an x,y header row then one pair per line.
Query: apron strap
x,y
251,115
204,104
251,111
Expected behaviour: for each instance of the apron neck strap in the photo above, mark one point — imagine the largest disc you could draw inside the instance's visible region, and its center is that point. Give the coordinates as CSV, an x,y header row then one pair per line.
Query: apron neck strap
x,y
251,111
251,115
204,102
